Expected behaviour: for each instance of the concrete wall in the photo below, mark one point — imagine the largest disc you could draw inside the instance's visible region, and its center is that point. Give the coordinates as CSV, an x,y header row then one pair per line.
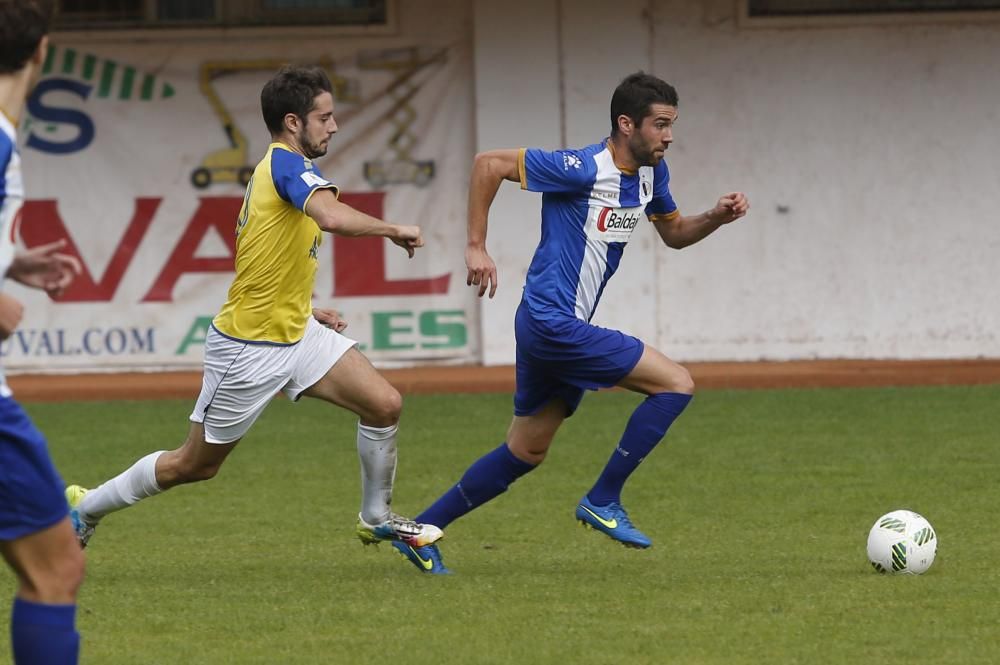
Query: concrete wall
x,y
869,153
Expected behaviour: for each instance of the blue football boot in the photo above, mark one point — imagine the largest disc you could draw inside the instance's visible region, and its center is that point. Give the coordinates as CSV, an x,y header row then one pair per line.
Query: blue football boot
x,y
427,559
613,521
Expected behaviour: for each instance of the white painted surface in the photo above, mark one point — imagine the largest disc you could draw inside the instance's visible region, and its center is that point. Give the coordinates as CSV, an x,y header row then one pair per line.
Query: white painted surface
x,y
869,155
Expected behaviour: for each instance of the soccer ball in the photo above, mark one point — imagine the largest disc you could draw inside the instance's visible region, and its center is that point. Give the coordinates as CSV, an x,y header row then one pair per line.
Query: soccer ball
x,y
902,542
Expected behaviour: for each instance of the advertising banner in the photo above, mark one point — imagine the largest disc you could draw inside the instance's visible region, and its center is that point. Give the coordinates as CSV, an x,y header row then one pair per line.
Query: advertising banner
x,y
137,155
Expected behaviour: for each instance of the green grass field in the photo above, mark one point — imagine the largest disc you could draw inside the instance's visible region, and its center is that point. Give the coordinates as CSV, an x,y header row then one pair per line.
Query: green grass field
x,y
758,502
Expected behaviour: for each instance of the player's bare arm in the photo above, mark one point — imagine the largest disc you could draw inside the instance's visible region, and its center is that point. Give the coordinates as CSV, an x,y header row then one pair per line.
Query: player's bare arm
x,y
680,232
338,218
329,318
489,171
11,311
45,268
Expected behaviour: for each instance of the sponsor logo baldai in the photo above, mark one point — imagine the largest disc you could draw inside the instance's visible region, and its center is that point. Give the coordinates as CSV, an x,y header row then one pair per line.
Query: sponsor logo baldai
x,y
617,219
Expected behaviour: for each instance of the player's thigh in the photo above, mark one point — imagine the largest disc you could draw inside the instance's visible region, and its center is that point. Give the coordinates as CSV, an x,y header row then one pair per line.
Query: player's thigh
x,y
655,373
530,436
570,352
537,386
317,353
239,380
49,563
354,384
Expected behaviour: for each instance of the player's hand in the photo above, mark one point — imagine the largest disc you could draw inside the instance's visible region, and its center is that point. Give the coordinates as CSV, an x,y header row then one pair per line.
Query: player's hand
x,y
329,318
409,238
44,268
482,270
11,311
730,207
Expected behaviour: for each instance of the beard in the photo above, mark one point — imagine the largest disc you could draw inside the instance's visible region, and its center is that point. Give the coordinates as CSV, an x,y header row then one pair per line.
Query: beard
x,y
643,154
311,150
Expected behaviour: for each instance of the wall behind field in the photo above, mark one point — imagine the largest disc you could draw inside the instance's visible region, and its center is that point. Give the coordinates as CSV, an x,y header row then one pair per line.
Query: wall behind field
x,y
869,153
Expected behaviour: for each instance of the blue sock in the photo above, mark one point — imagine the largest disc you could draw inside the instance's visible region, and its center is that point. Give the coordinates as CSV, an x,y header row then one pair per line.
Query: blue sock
x,y
44,633
487,478
648,424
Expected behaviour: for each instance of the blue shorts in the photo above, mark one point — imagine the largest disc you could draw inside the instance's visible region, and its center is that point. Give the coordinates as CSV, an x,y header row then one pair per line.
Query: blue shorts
x,y
31,491
566,356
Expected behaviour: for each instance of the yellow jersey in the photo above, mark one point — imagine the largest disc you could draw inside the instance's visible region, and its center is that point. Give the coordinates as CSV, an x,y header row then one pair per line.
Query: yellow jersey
x,y
277,246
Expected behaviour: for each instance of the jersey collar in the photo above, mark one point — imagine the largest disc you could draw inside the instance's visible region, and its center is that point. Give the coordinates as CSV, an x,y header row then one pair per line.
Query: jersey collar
x,y
7,124
611,148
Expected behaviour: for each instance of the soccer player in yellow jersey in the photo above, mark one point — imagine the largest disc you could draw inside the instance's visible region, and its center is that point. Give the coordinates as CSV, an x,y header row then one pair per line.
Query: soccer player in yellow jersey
x,y
268,338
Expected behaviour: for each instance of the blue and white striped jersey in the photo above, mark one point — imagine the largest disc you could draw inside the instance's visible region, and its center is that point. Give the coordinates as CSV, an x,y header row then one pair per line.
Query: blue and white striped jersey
x,y
589,209
11,191
11,200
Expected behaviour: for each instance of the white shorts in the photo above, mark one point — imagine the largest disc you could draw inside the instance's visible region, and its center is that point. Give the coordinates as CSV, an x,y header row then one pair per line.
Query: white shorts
x,y
242,377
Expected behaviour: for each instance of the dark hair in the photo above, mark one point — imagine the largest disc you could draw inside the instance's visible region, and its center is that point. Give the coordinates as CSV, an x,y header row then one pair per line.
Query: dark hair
x,y
635,94
23,23
292,90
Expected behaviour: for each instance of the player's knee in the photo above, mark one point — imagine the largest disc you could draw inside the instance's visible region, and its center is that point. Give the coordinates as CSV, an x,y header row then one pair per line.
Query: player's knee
x,y
676,380
394,405
386,409
204,471
532,454
188,471
681,381
534,457
73,572
60,579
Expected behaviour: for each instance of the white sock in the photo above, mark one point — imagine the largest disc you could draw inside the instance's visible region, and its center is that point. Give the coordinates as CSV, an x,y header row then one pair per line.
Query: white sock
x,y
377,450
135,483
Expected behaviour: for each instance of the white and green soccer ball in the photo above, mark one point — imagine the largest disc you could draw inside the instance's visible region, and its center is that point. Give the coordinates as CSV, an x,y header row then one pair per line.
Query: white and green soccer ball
x,y
902,543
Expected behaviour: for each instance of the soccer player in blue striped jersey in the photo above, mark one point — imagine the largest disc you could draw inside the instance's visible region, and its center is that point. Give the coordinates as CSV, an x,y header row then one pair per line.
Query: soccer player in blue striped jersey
x,y
36,535
268,338
593,199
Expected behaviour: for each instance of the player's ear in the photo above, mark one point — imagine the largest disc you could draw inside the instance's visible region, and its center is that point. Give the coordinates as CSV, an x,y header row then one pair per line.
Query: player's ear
x,y
292,123
625,124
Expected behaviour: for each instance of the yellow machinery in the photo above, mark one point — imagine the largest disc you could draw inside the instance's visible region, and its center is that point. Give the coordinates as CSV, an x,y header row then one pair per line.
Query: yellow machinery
x,y
230,164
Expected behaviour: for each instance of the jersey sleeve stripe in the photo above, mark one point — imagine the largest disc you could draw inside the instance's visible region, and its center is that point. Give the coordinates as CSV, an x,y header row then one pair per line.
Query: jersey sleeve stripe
x,y
520,168
666,217
336,193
